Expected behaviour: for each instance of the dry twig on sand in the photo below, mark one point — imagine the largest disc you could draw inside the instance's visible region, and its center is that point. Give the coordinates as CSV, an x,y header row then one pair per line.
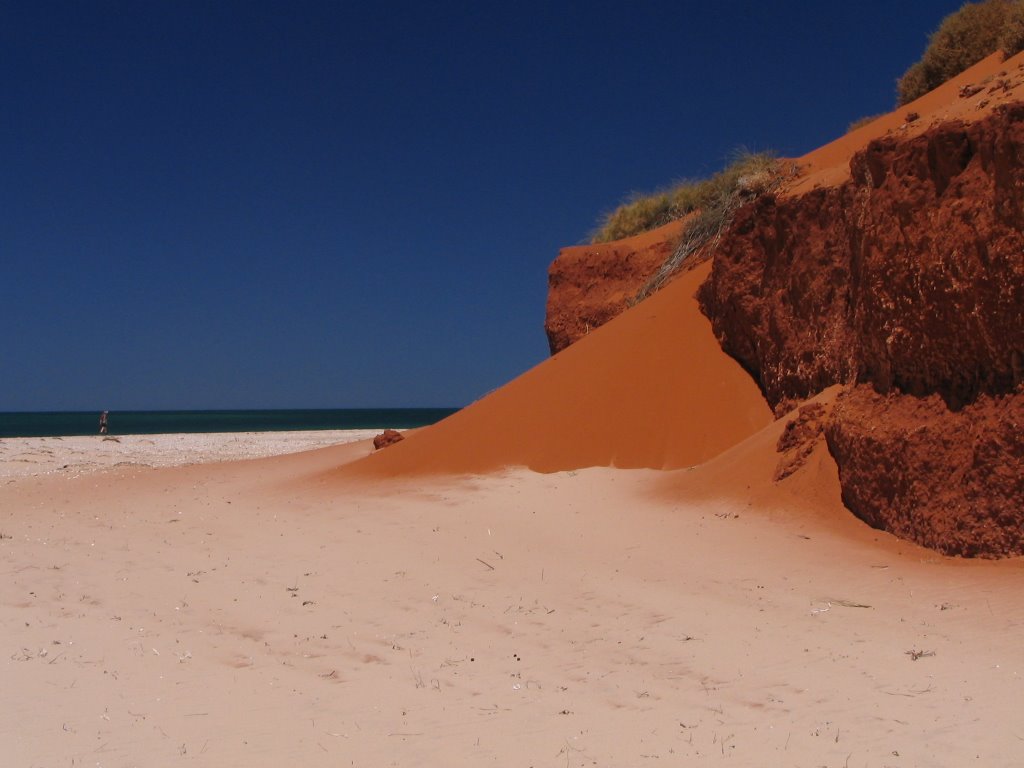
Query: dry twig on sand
x,y
915,655
849,603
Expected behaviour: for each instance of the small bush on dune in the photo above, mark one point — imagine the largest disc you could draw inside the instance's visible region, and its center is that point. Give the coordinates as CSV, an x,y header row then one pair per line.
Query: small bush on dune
x,y
686,197
913,84
639,214
749,172
645,212
964,38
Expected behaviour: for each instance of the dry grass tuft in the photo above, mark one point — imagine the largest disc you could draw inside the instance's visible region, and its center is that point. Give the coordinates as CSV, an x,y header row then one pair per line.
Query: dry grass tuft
x,y
640,213
643,212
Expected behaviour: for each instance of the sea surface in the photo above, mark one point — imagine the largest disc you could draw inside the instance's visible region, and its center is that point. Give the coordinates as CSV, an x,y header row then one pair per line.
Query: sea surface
x,y
50,424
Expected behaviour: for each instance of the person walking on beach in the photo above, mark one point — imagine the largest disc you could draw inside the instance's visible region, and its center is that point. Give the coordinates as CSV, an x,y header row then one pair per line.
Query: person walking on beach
x,y
103,422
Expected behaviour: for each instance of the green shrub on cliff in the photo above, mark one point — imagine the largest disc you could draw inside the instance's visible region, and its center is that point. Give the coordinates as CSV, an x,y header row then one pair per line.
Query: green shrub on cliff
x,y
964,38
645,212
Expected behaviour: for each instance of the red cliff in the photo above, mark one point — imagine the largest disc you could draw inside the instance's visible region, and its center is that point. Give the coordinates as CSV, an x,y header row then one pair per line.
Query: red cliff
x,y
588,285
905,283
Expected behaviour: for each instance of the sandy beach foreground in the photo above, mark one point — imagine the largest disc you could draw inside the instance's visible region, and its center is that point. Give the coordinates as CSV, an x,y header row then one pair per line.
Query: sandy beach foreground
x,y
256,613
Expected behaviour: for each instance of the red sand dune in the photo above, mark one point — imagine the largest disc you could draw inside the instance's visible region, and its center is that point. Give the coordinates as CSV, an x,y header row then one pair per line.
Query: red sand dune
x,y
650,389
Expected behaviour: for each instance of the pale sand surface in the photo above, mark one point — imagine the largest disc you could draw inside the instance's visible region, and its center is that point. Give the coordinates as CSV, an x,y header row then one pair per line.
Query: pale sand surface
x,y
263,613
20,456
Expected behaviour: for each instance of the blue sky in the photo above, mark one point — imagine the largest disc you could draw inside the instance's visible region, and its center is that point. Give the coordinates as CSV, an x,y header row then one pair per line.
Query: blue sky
x,y
275,205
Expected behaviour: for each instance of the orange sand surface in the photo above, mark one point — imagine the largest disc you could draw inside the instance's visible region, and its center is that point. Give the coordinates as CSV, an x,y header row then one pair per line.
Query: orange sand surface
x,y
241,614
650,389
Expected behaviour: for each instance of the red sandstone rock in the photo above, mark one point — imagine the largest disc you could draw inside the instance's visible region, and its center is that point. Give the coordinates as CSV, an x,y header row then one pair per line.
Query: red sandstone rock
x,y
949,480
907,279
911,276
588,285
386,438
797,440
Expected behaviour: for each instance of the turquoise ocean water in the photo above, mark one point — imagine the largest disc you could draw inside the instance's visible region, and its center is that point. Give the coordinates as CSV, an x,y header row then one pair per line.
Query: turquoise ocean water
x,y
50,424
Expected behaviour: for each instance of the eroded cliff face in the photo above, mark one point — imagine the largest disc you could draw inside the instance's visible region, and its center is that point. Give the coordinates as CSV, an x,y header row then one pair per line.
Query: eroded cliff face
x,y
588,285
906,284
949,480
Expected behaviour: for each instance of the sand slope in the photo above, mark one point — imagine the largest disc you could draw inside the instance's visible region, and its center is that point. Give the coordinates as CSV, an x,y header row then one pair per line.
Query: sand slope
x,y
651,389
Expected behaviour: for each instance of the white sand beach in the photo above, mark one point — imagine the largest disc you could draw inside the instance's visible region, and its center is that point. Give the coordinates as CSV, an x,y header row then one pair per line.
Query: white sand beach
x,y
70,456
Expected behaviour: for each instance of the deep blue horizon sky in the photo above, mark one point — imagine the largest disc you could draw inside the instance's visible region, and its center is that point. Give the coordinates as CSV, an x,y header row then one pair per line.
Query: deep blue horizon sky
x,y
326,204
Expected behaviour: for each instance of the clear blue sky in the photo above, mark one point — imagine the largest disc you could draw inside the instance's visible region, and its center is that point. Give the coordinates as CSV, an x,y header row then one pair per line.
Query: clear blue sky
x,y
274,205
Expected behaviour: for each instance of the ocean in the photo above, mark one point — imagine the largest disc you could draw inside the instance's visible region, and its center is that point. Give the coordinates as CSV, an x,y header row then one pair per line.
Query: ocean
x,y
51,424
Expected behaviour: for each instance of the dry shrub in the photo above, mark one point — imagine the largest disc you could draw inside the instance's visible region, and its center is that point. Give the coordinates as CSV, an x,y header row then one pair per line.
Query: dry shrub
x,y
645,212
964,38
1012,38
639,214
